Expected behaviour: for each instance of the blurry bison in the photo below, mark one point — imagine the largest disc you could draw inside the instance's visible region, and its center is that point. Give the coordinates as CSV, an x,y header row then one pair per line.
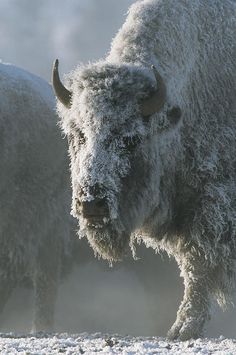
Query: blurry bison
x,y
34,192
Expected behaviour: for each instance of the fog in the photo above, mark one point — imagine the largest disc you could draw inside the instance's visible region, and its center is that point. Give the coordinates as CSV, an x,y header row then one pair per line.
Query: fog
x,y
34,33
137,297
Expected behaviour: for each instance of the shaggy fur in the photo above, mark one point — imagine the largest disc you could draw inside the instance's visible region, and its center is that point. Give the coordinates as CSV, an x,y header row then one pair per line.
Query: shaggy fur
x,y
34,192
169,183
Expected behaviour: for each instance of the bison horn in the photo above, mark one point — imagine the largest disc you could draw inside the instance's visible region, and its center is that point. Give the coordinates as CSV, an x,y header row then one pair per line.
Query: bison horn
x,y
63,95
154,103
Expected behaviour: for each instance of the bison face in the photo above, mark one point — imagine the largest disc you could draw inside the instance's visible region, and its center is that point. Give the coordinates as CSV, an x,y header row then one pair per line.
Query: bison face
x,y
115,165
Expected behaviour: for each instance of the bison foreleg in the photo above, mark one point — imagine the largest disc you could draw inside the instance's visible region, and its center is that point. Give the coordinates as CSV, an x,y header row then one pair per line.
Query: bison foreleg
x,y
194,309
45,288
6,287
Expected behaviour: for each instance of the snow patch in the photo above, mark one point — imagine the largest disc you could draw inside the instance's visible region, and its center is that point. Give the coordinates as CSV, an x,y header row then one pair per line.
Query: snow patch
x,y
42,343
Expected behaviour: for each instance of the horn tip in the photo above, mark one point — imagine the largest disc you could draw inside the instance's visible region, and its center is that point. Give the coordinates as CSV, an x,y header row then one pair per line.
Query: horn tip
x,y
55,64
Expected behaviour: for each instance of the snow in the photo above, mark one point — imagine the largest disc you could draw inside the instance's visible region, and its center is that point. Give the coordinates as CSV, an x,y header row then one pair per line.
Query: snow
x,y
42,343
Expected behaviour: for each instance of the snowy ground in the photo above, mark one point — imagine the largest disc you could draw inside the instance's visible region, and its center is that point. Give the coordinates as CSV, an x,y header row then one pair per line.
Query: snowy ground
x,y
104,344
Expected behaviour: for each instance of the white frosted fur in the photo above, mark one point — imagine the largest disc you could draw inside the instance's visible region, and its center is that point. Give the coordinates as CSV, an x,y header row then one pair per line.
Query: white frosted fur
x,y
35,192
176,190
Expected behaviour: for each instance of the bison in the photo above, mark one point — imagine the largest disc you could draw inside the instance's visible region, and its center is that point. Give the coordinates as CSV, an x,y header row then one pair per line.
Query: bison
x,y
35,222
151,131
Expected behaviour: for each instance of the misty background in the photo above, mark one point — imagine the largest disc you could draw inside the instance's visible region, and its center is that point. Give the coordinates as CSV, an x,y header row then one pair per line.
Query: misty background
x,y
135,297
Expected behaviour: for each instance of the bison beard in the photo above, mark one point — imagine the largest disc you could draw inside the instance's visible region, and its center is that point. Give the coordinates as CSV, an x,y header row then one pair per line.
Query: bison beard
x,y
183,121
108,243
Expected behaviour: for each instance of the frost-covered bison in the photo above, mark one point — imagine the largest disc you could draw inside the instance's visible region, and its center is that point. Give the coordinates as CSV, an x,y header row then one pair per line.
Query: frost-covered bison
x,y
153,152
34,192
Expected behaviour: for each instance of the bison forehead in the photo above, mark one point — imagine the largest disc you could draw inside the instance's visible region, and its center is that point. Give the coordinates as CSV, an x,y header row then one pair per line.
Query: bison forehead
x,y
115,78
106,95
112,83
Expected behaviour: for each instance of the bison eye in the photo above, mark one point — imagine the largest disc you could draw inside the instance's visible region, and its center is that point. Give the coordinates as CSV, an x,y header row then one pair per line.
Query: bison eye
x,y
81,137
131,143
174,114
76,138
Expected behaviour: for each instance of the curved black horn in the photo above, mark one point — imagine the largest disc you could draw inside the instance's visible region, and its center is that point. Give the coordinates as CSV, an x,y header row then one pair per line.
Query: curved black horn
x,y
63,95
154,103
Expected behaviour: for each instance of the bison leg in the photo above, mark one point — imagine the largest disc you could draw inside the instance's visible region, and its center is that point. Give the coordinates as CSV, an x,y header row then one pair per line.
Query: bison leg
x,y
6,288
46,281
194,309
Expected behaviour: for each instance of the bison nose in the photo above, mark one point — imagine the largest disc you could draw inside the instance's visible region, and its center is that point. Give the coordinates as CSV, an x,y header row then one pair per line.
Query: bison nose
x,y
94,208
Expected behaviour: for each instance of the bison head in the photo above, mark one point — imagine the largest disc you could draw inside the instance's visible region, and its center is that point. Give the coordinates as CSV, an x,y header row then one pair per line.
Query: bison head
x,y
115,164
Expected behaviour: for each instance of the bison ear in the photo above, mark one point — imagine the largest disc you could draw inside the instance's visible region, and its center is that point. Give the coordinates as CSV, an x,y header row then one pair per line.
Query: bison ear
x,y
63,95
154,103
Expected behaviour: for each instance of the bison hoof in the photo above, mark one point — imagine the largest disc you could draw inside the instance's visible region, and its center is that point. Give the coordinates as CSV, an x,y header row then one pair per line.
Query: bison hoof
x,y
191,328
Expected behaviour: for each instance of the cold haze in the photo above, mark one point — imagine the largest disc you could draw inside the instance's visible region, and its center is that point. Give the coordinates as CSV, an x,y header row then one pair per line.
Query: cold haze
x,y
138,298
34,33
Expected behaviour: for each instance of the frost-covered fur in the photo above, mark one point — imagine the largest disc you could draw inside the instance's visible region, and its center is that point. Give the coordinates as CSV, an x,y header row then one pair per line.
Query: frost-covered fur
x,y
171,185
34,192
